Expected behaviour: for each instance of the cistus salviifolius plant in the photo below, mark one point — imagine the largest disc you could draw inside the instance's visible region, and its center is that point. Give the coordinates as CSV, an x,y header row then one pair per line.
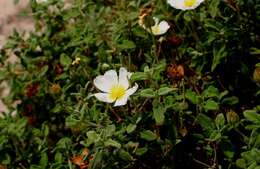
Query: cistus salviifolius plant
x,y
190,101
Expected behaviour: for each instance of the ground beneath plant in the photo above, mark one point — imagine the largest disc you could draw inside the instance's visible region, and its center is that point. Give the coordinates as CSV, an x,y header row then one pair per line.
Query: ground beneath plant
x,y
12,17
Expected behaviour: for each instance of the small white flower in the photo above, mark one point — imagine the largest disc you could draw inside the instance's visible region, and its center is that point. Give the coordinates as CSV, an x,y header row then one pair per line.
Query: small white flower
x,y
76,61
41,1
159,28
185,4
115,88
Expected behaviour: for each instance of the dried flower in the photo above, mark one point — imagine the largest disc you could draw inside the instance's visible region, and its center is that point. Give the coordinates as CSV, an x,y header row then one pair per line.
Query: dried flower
x,y
176,72
79,159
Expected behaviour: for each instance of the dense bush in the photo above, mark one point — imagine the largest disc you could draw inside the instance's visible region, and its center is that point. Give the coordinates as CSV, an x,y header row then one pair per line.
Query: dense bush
x,y
197,104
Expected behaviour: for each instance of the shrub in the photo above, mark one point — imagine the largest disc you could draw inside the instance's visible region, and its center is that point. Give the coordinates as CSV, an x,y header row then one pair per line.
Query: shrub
x,y
197,104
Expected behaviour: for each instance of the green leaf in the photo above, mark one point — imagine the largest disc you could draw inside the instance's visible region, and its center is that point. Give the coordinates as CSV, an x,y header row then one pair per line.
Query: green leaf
x,y
218,55
149,93
230,100
126,44
3,74
148,135
96,162
191,96
252,116
213,8
58,157
43,71
241,163
110,130
210,105
93,137
141,151
227,148
112,143
215,135
165,90
220,120
44,160
137,76
125,155
206,123
64,143
158,112
65,60
211,92
130,128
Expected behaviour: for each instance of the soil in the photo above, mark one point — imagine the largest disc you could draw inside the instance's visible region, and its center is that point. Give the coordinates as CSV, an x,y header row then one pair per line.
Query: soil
x,y
11,17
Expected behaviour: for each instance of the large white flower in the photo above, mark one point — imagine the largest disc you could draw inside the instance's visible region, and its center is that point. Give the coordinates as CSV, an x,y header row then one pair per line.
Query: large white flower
x,y
184,4
159,28
114,88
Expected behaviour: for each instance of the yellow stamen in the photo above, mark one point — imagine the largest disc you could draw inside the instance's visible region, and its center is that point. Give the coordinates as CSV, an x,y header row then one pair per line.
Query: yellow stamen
x,y
155,29
117,92
189,3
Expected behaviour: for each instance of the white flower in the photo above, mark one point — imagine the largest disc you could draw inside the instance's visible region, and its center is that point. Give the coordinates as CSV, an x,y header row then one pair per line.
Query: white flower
x,y
76,61
159,28
184,4
41,1
115,88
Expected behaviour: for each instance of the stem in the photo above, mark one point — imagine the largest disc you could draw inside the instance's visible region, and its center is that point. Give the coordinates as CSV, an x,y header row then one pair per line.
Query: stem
x,y
202,163
119,119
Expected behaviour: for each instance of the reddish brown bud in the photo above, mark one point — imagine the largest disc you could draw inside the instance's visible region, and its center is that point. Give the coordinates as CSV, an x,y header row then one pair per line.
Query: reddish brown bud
x,y
175,41
58,69
32,90
32,120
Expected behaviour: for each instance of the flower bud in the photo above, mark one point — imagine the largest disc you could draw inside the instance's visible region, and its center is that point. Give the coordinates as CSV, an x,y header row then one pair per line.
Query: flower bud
x,y
55,88
256,75
232,116
175,41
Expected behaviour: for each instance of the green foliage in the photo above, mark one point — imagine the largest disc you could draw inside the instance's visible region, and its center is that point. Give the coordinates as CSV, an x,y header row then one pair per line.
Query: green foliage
x,y
197,105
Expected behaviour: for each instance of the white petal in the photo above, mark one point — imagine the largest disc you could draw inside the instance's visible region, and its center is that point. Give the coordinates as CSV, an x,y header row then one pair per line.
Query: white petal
x,y
106,81
132,90
104,97
123,78
129,74
198,3
178,4
112,75
164,26
156,20
123,100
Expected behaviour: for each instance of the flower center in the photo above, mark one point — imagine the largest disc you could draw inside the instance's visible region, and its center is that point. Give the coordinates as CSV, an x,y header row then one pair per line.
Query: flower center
x,y
156,29
189,3
117,92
